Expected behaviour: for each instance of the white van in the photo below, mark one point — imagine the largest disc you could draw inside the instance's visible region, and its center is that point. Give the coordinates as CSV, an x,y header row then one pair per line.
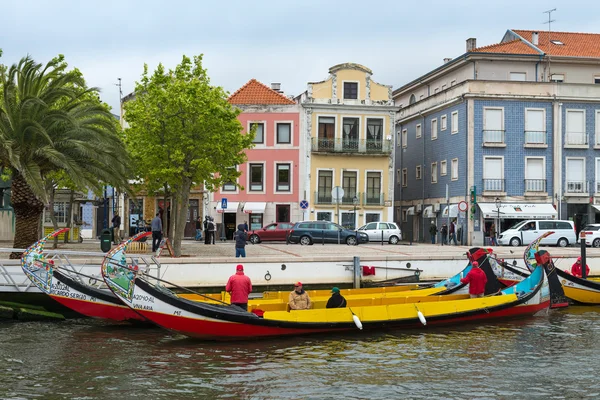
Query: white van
x,y
525,232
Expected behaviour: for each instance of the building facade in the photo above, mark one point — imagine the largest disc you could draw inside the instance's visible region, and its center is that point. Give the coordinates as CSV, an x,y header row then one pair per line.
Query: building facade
x,y
506,132
348,133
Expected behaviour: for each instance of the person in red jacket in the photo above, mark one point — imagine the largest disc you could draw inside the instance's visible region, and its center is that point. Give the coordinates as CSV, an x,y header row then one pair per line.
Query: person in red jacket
x,y
476,279
576,269
239,287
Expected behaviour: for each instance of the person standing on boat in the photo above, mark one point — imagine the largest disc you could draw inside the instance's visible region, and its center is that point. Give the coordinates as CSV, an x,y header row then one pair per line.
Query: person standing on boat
x,y
239,287
156,226
241,238
336,300
299,299
576,269
476,279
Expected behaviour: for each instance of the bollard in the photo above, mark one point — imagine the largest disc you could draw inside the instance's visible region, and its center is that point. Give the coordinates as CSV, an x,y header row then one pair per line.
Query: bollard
x,y
382,237
583,251
323,238
356,280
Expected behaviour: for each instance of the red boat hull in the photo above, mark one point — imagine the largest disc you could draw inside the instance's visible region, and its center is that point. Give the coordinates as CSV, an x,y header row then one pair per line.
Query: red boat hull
x,y
99,310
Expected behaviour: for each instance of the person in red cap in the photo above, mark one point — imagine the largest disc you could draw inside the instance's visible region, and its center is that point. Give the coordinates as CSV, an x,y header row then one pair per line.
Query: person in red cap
x,y
476,279
239,287
299,299
576,269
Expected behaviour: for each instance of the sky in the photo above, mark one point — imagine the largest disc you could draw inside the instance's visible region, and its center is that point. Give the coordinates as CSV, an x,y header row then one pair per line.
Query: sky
x,y
287,41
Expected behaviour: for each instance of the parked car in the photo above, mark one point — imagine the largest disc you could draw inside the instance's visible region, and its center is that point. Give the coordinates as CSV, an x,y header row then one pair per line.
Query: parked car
x,y
309,232
272,232
592,235
525,232
382,231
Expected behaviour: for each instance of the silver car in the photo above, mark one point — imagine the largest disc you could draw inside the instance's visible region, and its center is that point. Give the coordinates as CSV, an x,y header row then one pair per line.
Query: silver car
x,y
386,231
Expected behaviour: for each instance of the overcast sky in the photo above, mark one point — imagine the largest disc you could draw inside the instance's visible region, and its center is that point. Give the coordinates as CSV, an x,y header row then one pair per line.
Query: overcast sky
x,y
287,41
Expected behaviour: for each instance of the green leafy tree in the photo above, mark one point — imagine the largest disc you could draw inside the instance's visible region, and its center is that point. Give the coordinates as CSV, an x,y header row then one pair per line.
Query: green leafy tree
x,y
183,132
50,121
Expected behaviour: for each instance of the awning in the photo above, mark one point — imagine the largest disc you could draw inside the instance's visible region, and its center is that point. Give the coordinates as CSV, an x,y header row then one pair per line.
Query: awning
x,y
453,211
410,211
428,212
596,207
256,208
232,207
518,211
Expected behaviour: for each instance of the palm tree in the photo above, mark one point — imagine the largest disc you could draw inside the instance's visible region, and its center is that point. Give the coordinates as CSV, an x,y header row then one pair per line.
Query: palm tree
x,y
50,121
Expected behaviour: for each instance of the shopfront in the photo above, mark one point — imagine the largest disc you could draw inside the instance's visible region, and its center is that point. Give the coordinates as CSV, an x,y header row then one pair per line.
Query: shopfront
x,y
257,212
505,215
227,216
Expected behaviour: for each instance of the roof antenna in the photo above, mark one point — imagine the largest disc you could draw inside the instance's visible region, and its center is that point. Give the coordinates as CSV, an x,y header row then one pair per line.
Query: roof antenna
x,y
549,22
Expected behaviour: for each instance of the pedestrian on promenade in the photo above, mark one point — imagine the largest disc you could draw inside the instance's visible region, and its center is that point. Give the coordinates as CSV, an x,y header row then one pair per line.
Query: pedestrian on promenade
x,y
453,233
241,238
206,231
245,226
298,299
116,223
476,279
444,231
156,226
198,229
239,287
336,300
493,240
576,269
212,227
433,230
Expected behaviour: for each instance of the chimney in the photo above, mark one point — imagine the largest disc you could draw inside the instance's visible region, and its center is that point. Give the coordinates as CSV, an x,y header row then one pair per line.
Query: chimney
x,y
276,87
447,60
471,44
535,38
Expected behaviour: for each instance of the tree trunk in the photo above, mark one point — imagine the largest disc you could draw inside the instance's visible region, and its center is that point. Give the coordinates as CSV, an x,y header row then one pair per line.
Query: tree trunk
x,y
165,213
183,199
28,210
53,216
69,216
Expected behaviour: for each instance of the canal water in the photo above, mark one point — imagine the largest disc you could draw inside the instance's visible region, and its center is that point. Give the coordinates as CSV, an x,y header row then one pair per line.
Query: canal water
x,y
552,356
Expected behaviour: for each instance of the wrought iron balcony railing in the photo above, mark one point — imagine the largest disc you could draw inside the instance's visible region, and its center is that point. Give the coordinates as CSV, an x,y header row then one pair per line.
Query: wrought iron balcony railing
x,y
368,146
373,199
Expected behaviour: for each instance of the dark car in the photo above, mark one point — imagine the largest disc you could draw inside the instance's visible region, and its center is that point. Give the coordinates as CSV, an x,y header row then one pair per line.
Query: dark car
x,y
271,232
309,232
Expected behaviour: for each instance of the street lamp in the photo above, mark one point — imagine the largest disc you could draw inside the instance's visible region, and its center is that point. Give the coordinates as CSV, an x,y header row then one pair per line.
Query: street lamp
x,y
498,204
355,202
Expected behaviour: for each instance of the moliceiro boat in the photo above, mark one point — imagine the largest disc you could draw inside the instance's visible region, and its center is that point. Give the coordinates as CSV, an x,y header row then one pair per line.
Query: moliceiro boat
x,y
221,321
70,289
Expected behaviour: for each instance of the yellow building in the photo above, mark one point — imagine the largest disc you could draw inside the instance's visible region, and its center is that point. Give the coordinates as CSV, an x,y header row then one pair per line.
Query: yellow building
x,y
348,122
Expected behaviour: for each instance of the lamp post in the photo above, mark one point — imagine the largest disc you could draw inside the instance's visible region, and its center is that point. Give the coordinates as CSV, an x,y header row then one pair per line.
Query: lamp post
x,y
498,204
355,202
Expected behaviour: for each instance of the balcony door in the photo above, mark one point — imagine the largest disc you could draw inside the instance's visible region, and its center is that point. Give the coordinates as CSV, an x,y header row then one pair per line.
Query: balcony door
x,y
535,177
373,195
349,179
326,133
374,134
325,186
493,174
350,134
576,175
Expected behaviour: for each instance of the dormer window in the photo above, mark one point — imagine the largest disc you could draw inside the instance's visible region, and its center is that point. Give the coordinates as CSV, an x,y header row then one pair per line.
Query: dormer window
x,y
557,42
351,90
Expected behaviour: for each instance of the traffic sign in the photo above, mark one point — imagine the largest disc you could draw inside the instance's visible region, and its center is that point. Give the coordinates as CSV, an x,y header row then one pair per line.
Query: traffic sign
x,y
224,203
304,204
462,206
337,193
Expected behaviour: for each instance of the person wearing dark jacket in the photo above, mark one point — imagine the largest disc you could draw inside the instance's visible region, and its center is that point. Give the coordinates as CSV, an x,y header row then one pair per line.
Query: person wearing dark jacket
x,y
336,300
241,237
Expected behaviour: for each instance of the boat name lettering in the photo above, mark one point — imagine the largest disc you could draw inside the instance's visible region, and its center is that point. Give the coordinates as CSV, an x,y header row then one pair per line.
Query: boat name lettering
x,y
149,299
60,286
60,293
142,307
176,312
78,296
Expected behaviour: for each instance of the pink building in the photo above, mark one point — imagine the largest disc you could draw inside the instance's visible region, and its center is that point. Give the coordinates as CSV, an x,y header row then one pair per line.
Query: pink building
x,y
270,177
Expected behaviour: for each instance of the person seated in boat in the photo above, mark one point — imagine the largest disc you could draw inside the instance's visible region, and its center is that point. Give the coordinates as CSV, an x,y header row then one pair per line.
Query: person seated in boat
x,y
476,279
576,269
336,300
239,287
299,299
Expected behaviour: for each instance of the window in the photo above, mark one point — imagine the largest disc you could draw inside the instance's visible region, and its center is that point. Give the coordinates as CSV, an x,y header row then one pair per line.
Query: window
x,y
454,170
493,125
229,186
324,216
576,134
418,131
284,133
372,217
434,172
351,90
518,76
283,177
597,185
326,139
404,215
557,42
404,138
259,136
493,174
412,99
374,194
374,133
597,124
454,122
350,134
535,126
349,184
324,187
576,175
444,122
61,212
398,177
535,175
404,177
418,172
597,79
256,177
557,78
434,129
443,168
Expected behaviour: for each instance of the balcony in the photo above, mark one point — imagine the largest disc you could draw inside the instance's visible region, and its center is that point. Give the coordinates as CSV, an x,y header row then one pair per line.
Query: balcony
x,y
577,187
535,185
576,139
493,138
535,138
351,146
493,185
373,199
348,198
323,197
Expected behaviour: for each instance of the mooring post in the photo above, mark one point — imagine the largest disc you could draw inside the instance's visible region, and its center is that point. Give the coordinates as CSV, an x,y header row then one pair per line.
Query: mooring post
x,y
583,260
356,283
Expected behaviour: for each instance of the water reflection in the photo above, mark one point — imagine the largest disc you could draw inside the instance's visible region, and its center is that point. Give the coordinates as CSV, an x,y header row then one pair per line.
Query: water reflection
x,y
550,355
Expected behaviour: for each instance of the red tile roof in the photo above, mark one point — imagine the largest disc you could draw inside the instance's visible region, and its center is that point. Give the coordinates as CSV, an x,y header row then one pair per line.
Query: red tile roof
x,y
255,92
574,44
513,47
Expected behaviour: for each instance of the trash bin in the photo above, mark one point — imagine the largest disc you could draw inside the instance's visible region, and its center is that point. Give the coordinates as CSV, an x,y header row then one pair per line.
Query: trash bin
x,y
105,240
